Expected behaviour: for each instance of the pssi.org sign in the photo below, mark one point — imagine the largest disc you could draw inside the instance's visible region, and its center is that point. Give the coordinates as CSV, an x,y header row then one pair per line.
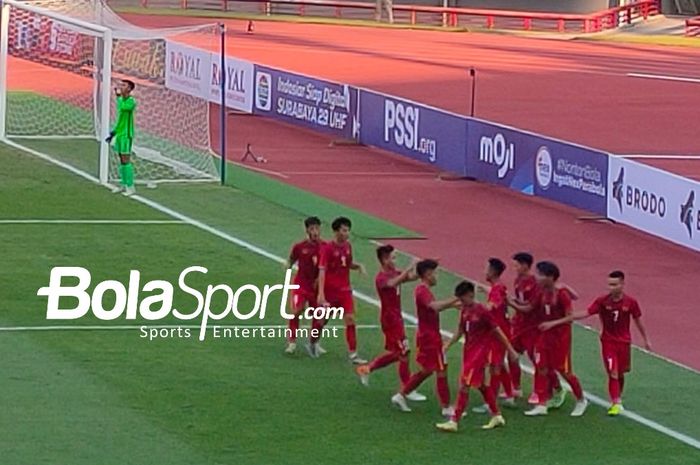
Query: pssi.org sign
x,y
402,124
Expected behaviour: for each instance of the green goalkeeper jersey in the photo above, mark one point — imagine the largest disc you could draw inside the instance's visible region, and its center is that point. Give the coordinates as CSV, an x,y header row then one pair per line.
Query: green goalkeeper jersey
x,y
124,126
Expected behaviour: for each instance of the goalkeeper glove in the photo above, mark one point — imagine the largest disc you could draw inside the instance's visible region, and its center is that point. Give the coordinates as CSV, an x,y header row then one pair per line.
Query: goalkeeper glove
x,y
110,137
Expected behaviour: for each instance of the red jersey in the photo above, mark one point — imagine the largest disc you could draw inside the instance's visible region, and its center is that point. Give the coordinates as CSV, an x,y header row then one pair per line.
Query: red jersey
x,y
390,298
553,305
336,259
306,255
615,316
477,323
525,292
428,320
497,299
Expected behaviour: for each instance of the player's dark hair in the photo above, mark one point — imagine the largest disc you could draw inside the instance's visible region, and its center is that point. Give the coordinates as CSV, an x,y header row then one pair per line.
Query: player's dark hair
x,y
497,266
130,84
524,258
424,266
548,269
312,221
384,251
617,274
340,222
463,288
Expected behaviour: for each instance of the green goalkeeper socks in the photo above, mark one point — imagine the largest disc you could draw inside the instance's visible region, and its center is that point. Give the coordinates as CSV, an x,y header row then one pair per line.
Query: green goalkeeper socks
x,y
129,175
126,174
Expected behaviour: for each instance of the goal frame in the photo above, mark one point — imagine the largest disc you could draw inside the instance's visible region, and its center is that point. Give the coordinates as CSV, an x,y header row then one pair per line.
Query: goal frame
x,y
104,76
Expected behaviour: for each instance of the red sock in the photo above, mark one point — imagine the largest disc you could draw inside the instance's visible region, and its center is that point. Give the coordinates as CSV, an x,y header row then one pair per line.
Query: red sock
x,y
621,380
293,326
495,381
575,385
351,337
404,370
614,389
515,373
443,390
383,360
462,401
414,381
506,382
317,324
554,382
542,387
490,399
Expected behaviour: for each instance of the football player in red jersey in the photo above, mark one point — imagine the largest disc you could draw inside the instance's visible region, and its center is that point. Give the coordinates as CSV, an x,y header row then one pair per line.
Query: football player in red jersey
x,y
616,310
481,329
334,288
388,284
553,346
428,339
305,254
497,303
524,323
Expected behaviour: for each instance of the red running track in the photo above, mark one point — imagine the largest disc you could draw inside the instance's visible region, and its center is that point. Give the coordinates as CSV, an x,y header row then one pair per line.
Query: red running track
x,y
576,91
573,90
467,222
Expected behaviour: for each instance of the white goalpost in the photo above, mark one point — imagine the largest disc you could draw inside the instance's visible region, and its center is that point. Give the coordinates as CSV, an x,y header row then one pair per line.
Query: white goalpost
x,y
60,61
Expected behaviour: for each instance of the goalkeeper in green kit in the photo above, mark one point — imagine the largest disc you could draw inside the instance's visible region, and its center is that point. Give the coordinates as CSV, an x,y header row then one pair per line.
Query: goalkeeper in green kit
x,y
122,135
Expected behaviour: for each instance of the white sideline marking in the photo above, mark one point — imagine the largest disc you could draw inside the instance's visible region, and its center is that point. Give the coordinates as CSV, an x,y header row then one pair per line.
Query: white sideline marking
x,y
259,170
643,350
684,438
92,222
664,77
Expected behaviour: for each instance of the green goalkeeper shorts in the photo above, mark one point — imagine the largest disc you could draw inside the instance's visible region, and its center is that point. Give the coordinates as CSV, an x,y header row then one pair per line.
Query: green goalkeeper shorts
x,y
122,145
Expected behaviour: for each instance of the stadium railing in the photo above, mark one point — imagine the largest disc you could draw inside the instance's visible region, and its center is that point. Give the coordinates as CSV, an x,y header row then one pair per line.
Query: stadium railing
x,y
420,14
692,27
595,182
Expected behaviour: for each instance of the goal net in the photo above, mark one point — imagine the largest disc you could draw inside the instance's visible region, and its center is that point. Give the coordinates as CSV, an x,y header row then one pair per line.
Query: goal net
x,y
60,61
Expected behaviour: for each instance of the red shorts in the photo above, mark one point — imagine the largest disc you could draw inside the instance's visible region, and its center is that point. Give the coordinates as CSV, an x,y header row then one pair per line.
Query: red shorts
x,y
524,340
497,353
395,339
303,298
553,351
474,363
617,356
342,299
431,359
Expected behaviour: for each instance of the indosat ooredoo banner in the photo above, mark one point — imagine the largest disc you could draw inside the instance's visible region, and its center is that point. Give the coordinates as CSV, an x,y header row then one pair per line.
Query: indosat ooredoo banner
x,y
309,102
542,166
